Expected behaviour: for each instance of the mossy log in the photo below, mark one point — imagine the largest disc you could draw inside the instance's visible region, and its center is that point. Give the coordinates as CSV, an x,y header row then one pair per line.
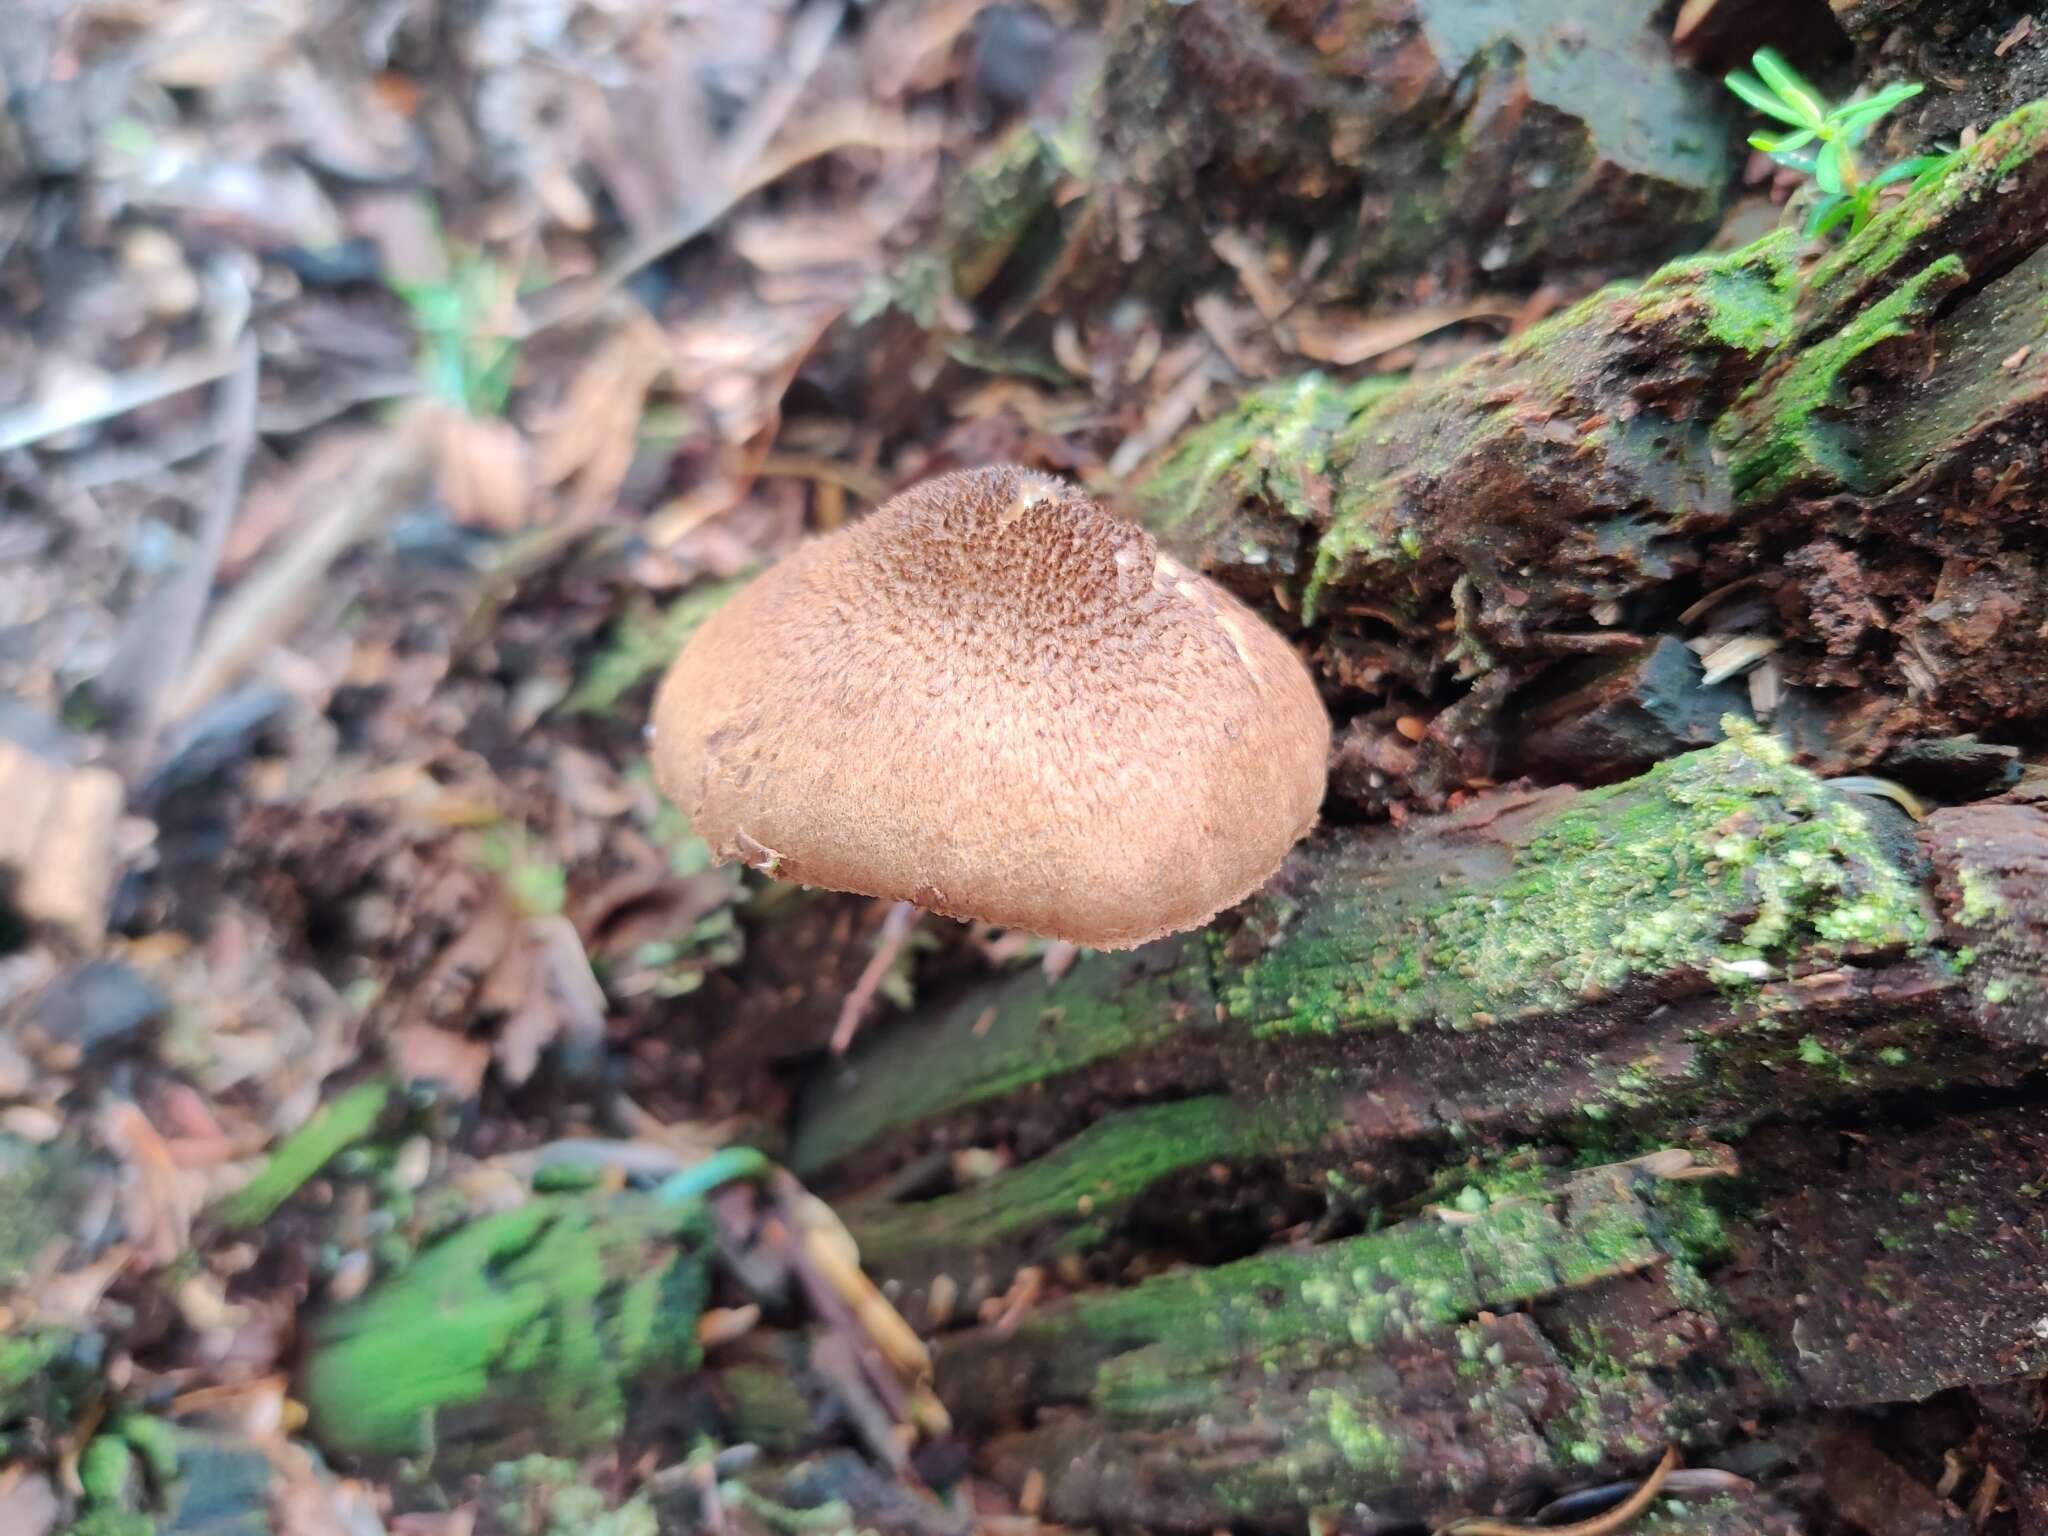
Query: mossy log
x,y
1495,1155
1861,440
1489,1151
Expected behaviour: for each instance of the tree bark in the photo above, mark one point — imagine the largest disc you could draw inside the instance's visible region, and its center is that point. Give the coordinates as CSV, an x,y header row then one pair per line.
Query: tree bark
x,y
1503,1142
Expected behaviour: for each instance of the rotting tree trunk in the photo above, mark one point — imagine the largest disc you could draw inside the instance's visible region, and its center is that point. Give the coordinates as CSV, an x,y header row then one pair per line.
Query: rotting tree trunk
x,y
1492,1150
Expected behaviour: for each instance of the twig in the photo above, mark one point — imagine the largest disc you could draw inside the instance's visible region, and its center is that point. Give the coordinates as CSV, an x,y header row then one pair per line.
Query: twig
x,y
1600,1525
864,483
1687,1480
173,628
85,404
888,945
1169,413
810,36
271,599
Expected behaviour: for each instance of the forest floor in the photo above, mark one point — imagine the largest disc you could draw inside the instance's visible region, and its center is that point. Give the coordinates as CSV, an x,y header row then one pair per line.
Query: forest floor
x,y
385,390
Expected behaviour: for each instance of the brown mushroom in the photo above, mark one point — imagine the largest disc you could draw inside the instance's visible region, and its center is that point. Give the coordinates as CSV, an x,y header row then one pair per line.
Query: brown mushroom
x,y
994,699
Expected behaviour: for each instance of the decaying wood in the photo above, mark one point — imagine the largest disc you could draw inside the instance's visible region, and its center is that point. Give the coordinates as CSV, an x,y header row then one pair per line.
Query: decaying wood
x,y
1491,1150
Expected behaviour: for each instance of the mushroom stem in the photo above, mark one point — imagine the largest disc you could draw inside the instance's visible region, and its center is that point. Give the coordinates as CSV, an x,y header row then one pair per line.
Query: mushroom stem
x,y
896,929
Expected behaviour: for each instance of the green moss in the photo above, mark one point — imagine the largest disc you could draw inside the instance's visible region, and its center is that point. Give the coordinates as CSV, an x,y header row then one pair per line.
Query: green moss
x,y
1982,902
107,1470
766,1408
1000,1040
1270,448
333,1128
47,1378
1363,1441
1718,860
1244,1346
112,1522
1084,1186
38,1185
1289,1308
918,287
540,1321
1779,432
1346,461
642,643
1740,301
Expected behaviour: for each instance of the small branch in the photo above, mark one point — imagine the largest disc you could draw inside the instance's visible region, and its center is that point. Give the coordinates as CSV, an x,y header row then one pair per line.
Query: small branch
x,y
1617,1518
810,36
85,404
173,629
896,928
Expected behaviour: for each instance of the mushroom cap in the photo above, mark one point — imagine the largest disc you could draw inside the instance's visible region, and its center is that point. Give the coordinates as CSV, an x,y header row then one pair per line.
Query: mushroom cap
x,y
994,699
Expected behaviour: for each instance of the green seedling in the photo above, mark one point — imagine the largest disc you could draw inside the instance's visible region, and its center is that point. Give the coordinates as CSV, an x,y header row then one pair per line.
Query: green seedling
x,y
1823,140
467,358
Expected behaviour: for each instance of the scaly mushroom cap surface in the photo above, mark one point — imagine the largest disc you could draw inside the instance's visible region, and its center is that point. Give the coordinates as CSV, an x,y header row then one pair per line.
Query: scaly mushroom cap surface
x,y
994,699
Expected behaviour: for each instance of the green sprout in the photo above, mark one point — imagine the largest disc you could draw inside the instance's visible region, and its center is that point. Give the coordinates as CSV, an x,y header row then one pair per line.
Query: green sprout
x,y
1824,139
467,359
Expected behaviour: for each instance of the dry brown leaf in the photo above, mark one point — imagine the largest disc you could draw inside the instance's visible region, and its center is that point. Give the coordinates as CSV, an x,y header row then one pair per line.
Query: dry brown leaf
x,y
485,472
159,1198
589,444
1343,338
58,838
426,1053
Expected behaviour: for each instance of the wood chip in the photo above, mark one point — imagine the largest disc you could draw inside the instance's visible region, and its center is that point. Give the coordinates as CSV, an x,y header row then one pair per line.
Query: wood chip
x,y
2020,32
1734,657
58,838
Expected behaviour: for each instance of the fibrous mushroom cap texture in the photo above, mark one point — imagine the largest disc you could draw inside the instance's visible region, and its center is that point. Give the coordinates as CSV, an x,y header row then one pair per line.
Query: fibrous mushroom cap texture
x,y
997,700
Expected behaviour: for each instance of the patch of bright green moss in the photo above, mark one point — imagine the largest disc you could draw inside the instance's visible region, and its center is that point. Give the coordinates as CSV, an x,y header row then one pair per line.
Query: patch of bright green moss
x,y
1779,433
1362,1440
1982,902
1314,1340
1740,300
1720,860
1270,449
1290,1307
1085,1185
538,1321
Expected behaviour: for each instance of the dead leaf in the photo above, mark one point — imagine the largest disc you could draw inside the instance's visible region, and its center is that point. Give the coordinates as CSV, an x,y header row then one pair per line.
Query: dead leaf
x,y
589,443
485,472
58,837
427,1053
158,1197
1344,339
